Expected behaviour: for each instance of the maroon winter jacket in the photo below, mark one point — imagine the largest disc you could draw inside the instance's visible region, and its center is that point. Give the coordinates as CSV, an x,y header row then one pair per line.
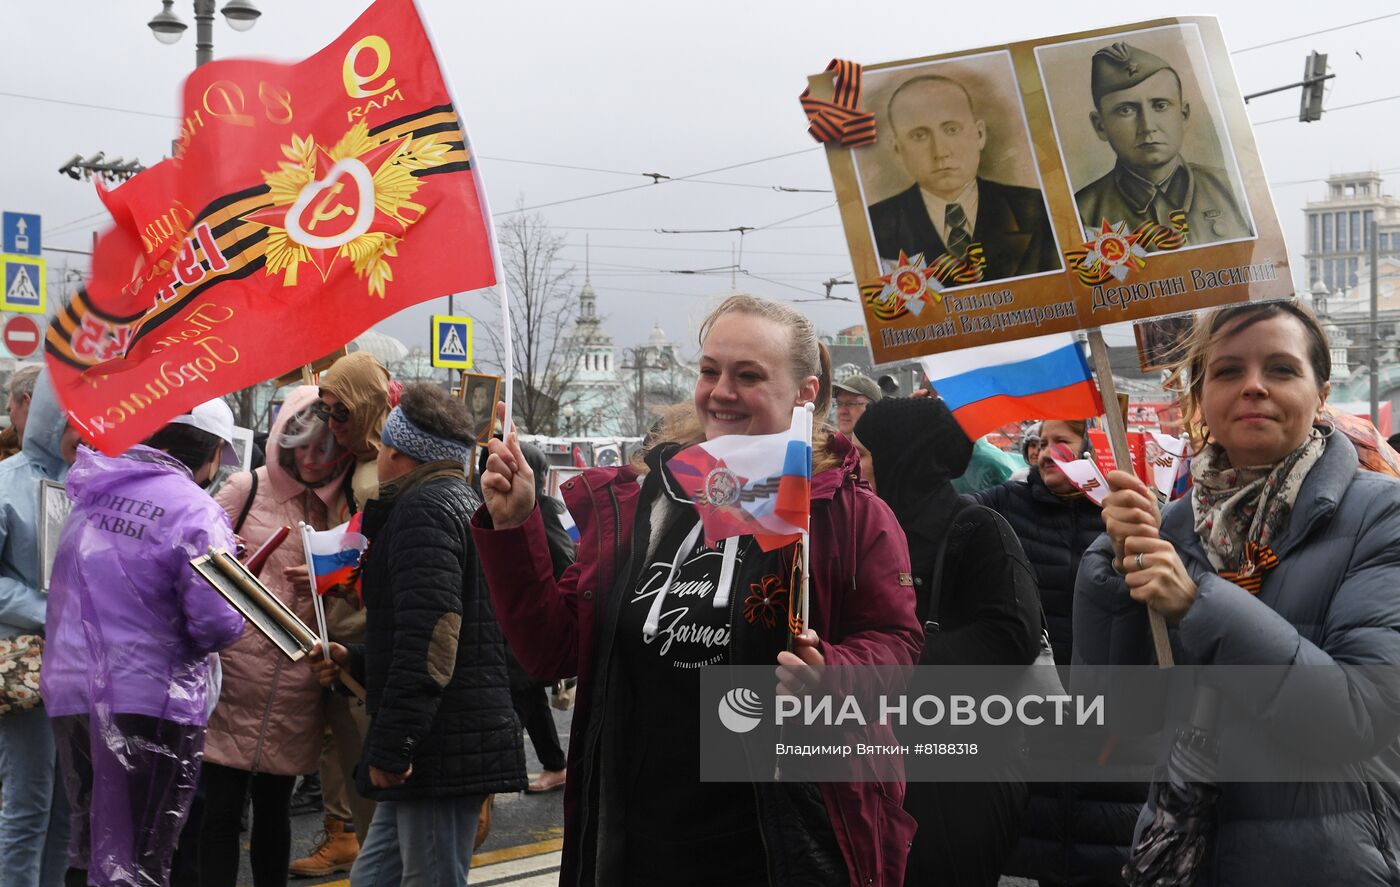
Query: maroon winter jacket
x,y
552,627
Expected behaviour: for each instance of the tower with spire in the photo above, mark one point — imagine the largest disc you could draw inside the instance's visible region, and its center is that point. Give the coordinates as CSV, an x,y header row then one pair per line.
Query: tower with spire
x,y
594,391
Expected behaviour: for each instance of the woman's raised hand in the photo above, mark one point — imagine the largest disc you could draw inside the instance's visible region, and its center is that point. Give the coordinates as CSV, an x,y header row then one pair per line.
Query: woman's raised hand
x,y
508,483
1130,509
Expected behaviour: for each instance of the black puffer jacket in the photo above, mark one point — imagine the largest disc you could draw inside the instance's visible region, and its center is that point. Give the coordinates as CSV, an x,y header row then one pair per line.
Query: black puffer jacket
x,y
433,658
1073,833
1054,532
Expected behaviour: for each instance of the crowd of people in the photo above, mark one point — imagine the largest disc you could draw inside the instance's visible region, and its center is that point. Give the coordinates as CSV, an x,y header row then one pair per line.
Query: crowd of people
x,y
162,711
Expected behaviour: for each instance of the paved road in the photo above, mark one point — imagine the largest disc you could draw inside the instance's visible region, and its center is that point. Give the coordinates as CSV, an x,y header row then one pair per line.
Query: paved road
x,y
522,850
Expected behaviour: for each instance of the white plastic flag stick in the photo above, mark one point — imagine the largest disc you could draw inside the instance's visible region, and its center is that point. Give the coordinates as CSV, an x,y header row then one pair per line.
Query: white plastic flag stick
x,y
806,529
316,601
507,358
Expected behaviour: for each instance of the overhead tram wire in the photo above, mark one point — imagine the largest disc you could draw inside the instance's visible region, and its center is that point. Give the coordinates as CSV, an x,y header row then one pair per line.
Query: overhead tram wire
x,y
706,249
1389,98
1314,33
654,184
90,106
656,177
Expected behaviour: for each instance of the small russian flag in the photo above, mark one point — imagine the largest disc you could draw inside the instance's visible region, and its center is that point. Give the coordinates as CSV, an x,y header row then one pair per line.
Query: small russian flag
x,y
751,484
334,555
1045,377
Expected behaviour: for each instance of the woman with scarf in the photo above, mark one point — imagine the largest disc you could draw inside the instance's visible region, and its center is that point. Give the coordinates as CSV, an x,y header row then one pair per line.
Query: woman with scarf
x,y
267,728
984,602
1283,554
636,811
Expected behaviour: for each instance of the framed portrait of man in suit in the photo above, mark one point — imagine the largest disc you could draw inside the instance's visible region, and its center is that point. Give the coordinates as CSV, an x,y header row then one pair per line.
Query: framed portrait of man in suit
x,y
953,173
1142,136
1055,184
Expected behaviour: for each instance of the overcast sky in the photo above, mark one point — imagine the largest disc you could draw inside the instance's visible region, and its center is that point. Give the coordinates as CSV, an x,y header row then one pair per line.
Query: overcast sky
x,y
636,87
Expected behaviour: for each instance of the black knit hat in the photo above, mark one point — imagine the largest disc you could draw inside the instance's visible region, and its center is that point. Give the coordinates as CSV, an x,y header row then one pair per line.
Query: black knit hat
x,y
913,441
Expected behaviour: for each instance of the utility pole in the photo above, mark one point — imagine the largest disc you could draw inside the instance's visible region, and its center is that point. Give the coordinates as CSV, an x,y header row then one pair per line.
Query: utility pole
x,y
640,364
1375,339
1314,76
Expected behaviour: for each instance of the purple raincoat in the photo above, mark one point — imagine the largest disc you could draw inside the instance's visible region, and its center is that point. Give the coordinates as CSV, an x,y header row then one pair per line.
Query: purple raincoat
x,y
126,668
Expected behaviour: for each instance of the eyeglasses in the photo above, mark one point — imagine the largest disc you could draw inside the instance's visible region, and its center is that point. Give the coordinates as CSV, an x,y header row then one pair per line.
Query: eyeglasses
x,y
856,404
322,410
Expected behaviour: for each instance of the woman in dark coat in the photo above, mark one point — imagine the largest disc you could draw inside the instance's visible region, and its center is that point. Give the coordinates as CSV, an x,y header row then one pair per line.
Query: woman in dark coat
x,y
1284,554
1075,833
1055,523
988,613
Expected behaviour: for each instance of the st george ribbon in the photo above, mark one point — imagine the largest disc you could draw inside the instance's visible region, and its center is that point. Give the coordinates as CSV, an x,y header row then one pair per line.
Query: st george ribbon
x,y
304,203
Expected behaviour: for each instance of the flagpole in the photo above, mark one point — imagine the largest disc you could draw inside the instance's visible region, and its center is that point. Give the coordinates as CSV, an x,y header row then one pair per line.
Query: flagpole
x,y
810,408
316,601
508,358
1118,439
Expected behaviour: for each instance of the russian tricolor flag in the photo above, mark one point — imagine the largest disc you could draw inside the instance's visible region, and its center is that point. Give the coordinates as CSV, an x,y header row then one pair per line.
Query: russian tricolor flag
x,y
751,484
569,526
1046,377
334,555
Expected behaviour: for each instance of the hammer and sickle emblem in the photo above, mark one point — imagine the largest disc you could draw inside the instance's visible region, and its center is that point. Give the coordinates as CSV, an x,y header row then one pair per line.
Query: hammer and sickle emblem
x,y
322,193
323,212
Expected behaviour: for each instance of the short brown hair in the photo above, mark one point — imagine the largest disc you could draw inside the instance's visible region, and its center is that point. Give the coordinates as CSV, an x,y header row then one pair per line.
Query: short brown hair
x,y
437,412
1188,370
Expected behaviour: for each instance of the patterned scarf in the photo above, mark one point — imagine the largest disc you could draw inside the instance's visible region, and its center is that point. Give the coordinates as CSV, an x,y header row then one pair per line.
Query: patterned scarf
x,y
1239,512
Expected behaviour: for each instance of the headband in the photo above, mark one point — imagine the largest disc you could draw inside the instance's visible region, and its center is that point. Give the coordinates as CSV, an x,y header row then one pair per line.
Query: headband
x,y
401,434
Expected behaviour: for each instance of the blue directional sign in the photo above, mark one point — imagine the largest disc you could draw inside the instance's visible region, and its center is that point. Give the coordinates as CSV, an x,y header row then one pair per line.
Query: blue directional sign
x,y
21,234
452,342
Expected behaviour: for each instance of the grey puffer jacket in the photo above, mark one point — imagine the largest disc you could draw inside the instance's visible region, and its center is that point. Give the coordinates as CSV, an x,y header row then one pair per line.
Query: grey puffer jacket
x,y
1332,602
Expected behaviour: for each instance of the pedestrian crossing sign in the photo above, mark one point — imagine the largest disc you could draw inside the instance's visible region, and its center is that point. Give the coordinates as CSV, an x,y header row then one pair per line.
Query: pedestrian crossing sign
x,y
24,280
452,342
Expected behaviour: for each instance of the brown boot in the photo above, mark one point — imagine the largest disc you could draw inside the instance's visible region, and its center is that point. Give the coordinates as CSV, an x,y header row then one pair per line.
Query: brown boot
x,y
483,823
335,853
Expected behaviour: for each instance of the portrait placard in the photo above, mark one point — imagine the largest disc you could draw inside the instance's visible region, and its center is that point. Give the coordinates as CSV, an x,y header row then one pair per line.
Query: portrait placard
x,y
54,506
1054,184
243,446
481,393
1161,341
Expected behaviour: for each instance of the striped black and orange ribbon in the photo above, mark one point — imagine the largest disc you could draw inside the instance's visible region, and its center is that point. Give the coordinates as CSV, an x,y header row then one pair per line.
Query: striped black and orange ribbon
x,y
1162,238
1149,235
840,120
947,270
1258,560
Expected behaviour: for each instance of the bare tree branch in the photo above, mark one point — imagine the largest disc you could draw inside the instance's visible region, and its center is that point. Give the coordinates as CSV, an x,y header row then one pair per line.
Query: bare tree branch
x,y
542,311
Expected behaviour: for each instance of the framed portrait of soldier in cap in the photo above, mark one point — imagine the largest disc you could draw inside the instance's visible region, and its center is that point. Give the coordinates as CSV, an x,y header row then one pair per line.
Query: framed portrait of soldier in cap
x,y
954,174
1143,139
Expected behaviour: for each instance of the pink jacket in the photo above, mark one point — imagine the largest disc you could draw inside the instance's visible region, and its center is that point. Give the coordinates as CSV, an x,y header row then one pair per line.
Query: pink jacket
x,y
552,627
270,716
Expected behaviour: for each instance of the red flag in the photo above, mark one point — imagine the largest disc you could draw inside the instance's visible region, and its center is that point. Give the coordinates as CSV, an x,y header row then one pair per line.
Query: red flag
x,y
305,203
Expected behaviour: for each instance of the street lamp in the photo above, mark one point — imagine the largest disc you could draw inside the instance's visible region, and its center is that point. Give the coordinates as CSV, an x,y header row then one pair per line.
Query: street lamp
x,y
241,15
168,27
568,412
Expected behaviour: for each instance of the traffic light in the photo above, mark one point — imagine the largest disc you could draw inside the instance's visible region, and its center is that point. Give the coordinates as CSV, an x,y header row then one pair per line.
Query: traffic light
x,y
1314,74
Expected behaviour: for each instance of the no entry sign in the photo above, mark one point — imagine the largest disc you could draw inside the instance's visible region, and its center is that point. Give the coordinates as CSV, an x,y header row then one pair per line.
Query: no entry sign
x,y
21,336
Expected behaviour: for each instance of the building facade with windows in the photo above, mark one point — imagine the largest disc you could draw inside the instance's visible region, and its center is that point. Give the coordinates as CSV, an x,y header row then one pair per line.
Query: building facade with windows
x,y
1338,230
